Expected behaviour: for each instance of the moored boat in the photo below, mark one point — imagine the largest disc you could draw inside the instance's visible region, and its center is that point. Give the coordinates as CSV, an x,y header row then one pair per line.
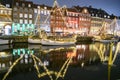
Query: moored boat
x,y
55,43
2,41
34,41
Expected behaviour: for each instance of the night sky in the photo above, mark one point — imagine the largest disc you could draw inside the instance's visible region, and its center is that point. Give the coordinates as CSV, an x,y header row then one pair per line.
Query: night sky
x,y
110,6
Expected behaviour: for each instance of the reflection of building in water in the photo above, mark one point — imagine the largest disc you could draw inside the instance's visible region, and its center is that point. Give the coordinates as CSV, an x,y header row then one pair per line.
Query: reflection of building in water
x,y
5,61
106,52
27,59
85,55
102,50
57,58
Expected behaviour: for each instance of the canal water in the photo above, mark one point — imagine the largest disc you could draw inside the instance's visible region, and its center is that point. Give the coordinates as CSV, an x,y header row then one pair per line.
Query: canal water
x,y
94,61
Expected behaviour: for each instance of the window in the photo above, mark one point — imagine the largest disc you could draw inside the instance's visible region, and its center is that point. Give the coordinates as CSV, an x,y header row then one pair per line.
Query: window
x,y
17,4
8,5
45,13
29,5
15,8
38,7
48,12
26,10
30,21
42,12
25,15
104,16
21,15
35,10
1,11
5,12
45,7
21,21
25,21
23,4
30,15
9,12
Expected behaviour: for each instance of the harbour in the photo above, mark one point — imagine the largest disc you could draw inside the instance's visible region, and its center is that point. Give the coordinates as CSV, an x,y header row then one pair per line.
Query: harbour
x,y
28,62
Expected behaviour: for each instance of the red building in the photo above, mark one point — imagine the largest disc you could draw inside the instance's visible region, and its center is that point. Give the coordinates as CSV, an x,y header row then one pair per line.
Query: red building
x,y
84,20
72,20
57,20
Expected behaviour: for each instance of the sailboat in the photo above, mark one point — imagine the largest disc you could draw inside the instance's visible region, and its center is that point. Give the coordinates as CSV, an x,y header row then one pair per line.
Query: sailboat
x,y
54,42
63,40
104,36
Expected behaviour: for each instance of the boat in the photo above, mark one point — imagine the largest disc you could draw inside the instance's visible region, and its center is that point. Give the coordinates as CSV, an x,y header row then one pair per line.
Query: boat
x,y
55,43
2,41
104,36
105,40
42,37
34,41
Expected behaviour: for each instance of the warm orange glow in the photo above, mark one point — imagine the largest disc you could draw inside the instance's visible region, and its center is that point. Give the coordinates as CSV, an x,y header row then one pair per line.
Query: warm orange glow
x,y
71,54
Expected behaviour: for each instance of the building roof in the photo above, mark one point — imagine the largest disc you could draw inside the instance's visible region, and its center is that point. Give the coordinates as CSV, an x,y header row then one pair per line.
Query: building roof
x,y
93,11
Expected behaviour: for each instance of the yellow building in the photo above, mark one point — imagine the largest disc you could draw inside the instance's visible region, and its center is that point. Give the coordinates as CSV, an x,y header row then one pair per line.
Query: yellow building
x,y
96,25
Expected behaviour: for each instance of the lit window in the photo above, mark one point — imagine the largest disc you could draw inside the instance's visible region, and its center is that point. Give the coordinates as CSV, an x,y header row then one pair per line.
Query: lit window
x,y
42,12
8,5
1,11
48,12
85,10
25,21
30,15
45,7
38,7
38,11
35,10
21,15
45,13
104,16
30,21
92,14
21,21
26,16
29,5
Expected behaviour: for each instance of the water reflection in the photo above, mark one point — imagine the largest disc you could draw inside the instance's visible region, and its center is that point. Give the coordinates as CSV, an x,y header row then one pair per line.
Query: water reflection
x,y
54,61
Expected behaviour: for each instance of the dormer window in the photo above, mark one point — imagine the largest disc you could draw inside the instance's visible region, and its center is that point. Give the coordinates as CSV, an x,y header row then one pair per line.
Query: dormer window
x,y
105,16
85,10
29,5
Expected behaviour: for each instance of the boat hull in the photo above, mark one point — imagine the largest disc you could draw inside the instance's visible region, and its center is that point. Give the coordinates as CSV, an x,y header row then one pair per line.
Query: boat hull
x,y
34,41
106,41
4,41
56,43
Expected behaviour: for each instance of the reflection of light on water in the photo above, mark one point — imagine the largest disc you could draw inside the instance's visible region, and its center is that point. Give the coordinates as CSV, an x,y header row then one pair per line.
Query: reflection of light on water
x,y
45,68
112,58
37,62
112,54
4,54
81,47
82,65
60,73
10,69
101,51
109,72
